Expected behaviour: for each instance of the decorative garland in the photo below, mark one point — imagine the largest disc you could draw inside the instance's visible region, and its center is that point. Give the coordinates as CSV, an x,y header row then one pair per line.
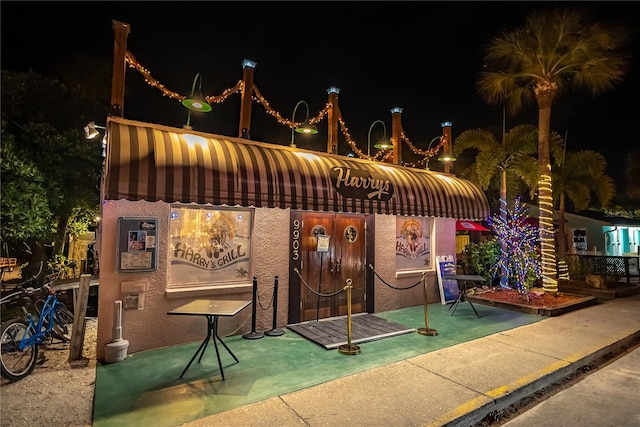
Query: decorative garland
x,y
283,121
381,155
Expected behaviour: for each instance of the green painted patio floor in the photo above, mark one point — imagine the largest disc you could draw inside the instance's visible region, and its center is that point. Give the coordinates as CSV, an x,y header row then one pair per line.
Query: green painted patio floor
x,y
146,389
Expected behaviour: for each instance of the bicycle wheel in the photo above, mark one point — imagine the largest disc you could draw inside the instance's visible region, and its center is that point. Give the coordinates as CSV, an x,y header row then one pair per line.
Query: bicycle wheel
x,y
15,363
62,322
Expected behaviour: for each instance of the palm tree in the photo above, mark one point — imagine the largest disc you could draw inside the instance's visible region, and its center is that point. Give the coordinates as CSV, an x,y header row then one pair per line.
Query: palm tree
x,y
579,176
632,176
509,164
506,165
554,52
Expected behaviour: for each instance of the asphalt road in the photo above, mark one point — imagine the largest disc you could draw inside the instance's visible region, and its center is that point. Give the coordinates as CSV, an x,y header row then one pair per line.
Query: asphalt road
x,y
610,396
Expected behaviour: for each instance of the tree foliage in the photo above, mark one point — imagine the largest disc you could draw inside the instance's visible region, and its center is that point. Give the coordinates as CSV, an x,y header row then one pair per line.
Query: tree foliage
x,y
481,258
632,175
24,207
48,166
555,52
581,178
82,218
506,163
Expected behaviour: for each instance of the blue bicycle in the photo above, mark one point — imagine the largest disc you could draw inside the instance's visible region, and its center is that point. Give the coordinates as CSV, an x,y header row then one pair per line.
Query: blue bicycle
x,y
20,338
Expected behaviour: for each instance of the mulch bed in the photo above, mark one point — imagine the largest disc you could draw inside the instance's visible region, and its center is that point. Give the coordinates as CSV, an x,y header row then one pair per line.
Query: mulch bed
x,y
535,301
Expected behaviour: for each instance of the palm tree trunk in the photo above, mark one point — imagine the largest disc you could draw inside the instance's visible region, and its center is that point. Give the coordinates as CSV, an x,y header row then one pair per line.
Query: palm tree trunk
x,y
545,196
563,270
562,233
504,275
504,279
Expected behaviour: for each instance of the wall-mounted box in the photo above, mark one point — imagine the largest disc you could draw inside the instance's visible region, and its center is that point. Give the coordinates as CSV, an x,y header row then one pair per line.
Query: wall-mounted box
x,y
134,292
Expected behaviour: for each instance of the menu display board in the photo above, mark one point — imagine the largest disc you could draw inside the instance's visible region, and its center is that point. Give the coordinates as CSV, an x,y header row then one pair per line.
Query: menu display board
x,y
449,290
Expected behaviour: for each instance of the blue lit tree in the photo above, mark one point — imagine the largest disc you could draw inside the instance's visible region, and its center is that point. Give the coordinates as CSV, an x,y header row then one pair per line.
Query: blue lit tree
x,y
519,240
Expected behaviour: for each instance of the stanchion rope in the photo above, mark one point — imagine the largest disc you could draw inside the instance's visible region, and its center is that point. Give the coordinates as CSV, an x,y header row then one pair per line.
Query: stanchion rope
x,y
260,302
391,286
314,291
232,333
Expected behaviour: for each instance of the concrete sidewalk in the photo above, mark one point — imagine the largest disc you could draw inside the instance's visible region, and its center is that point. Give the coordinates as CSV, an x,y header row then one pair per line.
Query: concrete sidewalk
x,y
458,385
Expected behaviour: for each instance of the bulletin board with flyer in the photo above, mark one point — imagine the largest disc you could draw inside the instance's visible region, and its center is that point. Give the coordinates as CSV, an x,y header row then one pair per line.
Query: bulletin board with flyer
x,y
137,244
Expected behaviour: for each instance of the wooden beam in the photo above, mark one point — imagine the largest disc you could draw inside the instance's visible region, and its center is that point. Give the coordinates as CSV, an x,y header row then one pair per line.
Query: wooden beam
x,y
79,316
119,67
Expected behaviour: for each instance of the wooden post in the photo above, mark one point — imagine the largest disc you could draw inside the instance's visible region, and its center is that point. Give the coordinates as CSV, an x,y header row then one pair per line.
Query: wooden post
x,y
245,100
446,149
333,115
79,315
396,134
119,67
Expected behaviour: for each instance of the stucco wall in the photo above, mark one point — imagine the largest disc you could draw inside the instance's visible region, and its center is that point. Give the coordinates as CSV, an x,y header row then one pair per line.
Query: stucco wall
x,y
271,258
152,327
387,298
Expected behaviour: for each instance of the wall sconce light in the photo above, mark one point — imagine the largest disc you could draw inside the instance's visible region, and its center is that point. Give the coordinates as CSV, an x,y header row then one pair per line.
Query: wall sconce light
x,y
383,143
195,102
305,127
91,130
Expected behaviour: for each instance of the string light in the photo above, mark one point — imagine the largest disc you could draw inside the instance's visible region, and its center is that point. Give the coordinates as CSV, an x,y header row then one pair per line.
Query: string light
x,y
283,121
256,96
133,63
381,155
226,93
547,244
520,262
426,153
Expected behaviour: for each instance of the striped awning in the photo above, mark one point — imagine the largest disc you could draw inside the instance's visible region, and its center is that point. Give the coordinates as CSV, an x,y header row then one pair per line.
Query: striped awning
x,y
470,226
152,162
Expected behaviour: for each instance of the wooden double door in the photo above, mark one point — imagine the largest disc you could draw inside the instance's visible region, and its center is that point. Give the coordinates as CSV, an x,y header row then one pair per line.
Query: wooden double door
x,y
333,251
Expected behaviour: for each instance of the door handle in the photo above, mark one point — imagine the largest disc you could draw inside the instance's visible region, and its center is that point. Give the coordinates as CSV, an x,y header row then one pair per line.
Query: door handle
x,y
338,263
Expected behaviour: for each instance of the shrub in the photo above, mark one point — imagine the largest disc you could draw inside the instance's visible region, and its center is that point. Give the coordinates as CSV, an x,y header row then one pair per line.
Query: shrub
x,y
481,258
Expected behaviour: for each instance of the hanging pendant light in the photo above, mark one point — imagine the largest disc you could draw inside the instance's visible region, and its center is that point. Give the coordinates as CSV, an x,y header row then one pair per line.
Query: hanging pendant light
x,y
306,127
196,102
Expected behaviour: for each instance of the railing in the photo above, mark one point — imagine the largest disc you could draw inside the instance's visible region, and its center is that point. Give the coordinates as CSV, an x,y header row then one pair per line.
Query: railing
x,y
612,268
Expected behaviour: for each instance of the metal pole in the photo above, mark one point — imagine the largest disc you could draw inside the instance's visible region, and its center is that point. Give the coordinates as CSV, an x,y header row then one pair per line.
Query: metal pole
x,y
275,332
426,330
293,119
319,289
348,348
253,334
437,138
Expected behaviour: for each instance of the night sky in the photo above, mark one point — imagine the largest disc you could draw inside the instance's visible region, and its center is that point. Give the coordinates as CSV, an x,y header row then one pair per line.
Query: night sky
x,y
423,57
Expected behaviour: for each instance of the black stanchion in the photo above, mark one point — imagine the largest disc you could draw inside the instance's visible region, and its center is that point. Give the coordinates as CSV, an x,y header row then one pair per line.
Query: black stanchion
x,y
253,334
319,290
275,332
